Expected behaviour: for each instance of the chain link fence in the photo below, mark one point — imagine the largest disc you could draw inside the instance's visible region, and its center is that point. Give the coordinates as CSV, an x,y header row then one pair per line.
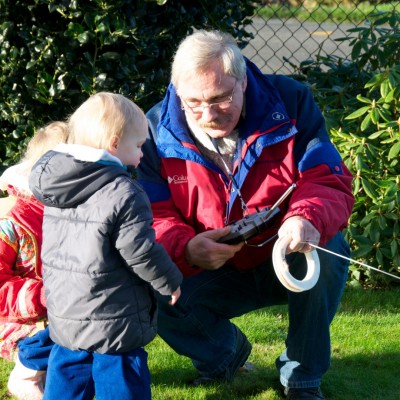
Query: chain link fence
x,y
285,33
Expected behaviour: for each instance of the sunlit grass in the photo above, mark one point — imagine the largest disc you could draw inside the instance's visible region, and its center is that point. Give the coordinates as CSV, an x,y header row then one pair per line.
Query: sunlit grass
x,y
365,355
365,348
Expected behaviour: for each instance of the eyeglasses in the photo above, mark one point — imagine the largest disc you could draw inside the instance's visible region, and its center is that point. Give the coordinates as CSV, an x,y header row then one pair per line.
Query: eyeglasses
x,y
196,107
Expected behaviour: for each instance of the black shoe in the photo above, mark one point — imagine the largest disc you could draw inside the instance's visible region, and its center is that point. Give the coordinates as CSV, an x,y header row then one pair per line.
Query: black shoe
x,y
303,394
204,380
243,350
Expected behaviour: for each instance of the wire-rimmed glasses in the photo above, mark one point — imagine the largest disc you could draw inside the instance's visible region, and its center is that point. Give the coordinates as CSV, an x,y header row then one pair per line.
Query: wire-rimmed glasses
x,y
198,107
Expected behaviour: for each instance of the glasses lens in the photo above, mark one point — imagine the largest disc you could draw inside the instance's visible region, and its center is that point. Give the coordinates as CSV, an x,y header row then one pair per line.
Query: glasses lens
x,y
197,109
222,104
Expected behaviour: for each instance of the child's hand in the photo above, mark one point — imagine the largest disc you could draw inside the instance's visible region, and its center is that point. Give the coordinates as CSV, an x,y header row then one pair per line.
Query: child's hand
x,y
175,296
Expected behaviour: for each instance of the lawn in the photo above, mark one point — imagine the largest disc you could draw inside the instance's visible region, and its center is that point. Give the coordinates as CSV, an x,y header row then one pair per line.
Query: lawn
x,y
365,362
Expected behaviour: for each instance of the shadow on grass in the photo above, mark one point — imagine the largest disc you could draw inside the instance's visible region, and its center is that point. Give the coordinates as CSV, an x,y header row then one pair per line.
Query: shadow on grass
x,y
358,377
367,377
353,377
355,300
245,384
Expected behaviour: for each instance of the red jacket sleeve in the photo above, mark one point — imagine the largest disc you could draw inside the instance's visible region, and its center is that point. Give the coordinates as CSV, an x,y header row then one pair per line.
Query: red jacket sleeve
x,y
173,234
325,199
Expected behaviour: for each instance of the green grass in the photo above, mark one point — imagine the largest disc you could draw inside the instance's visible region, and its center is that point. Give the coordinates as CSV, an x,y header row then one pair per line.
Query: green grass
x,y
329,13
365,361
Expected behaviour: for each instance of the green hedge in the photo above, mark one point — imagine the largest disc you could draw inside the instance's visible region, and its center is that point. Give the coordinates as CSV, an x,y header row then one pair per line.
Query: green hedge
x,y
54,54
360,99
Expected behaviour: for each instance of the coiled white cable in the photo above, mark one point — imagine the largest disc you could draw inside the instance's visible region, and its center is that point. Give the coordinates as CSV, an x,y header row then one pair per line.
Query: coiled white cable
x,y
281,267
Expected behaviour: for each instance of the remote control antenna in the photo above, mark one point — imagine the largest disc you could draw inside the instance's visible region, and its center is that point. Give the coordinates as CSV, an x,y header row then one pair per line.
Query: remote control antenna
x,y
283,197
279,201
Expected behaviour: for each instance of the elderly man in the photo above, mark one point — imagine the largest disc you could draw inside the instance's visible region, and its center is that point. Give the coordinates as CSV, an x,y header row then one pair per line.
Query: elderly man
x,y
226,142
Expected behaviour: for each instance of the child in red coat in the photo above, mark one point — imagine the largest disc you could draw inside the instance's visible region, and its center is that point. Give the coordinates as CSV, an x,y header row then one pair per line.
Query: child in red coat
x,y
22,303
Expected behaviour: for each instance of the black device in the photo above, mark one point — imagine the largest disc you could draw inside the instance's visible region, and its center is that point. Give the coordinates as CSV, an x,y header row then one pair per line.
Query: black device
x,y
255,223
249,226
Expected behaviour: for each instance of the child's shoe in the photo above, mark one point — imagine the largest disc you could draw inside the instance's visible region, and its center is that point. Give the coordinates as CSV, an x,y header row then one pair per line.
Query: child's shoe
x,y
25,383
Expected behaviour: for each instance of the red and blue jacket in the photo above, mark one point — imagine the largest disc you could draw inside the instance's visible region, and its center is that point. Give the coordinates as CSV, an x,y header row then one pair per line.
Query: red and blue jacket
x,y
283,140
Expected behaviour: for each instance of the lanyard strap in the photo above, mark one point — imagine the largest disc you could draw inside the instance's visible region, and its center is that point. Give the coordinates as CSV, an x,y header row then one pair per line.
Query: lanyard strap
x,y
230,174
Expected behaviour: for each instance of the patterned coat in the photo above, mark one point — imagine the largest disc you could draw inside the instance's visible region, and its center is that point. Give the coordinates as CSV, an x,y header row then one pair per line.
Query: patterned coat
x,y
22,304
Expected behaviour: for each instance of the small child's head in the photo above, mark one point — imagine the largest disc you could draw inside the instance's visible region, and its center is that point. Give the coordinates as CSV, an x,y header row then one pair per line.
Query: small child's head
x,y
44,139
110,122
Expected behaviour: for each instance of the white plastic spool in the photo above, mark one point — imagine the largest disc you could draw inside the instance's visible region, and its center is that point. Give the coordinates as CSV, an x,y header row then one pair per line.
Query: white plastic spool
x,y
281,267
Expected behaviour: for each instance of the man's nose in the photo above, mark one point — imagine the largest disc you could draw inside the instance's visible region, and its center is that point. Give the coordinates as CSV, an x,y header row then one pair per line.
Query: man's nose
x,y
209,113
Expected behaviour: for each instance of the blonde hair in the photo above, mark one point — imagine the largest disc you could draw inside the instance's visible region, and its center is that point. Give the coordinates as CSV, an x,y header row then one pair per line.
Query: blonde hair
x,y
44,139
197,51
101,117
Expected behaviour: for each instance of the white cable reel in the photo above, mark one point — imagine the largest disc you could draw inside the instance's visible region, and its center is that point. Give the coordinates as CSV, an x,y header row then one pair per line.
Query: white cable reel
x,y
281,267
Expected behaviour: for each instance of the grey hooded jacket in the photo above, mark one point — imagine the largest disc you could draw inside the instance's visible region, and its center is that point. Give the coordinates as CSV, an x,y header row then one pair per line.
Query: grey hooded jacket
x,y
101,261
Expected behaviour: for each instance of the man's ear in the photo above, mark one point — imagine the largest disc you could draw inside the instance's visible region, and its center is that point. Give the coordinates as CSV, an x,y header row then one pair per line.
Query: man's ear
x,y
113,145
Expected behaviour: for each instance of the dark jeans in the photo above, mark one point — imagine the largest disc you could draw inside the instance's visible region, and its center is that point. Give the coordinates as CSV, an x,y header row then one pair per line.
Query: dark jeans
x,y
199,326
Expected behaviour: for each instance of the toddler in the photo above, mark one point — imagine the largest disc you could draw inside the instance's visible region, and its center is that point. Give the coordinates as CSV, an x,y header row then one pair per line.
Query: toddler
x,y
101,260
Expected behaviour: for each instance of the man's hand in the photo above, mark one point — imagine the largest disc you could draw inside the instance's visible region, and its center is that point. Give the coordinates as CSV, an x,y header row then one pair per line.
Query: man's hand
x,y
203,251
300,230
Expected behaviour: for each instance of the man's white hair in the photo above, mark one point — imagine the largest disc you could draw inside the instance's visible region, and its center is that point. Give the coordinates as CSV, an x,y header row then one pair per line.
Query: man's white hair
x,y
202,48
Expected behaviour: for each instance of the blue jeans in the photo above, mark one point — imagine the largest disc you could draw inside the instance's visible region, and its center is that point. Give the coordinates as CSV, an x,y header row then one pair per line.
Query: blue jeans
x,y
199,326
80,375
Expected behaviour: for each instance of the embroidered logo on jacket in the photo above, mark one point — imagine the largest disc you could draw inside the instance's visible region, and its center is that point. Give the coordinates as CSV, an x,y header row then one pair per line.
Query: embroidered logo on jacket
x,y
177,179
277,116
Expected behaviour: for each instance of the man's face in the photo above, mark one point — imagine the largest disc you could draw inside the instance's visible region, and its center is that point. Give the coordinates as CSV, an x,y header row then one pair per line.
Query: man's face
x,y
213,101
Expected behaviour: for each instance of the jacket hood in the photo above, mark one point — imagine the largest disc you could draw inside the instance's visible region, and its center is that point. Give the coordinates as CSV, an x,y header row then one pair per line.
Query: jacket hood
x,y
16,177
68,175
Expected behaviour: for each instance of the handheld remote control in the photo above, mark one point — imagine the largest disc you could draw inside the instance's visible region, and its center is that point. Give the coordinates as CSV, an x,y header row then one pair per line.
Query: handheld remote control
x,y
249,226
253,224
